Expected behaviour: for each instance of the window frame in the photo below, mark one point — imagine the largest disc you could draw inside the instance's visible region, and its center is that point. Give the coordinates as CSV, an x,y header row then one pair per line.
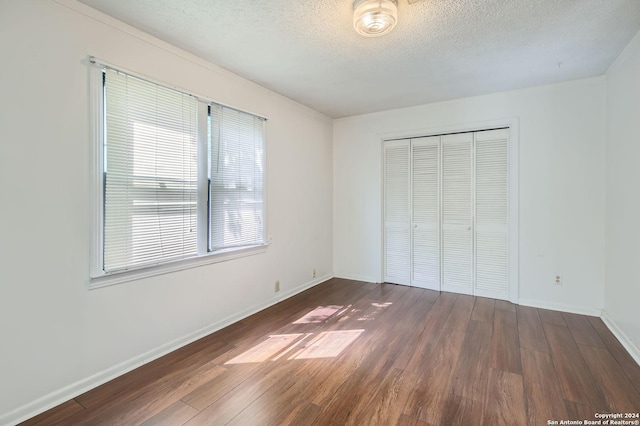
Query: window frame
x,y
97,276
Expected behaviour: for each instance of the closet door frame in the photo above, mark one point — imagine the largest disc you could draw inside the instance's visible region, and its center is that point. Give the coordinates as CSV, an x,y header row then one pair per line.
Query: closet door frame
x,y
513,124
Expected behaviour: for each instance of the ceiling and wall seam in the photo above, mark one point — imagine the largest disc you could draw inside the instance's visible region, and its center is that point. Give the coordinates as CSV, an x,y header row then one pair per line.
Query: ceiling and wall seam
x,y
169,48
440,49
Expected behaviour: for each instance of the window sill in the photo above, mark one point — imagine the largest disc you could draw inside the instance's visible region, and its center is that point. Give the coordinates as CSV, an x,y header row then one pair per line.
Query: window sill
x,y
179,265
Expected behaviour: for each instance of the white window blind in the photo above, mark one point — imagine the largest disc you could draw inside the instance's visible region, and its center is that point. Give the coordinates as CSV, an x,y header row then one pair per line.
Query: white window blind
x,y
150,173
178,177
236,170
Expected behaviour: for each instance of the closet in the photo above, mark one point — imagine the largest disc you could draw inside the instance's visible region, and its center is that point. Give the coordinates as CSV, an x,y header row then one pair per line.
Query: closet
x,y
446,212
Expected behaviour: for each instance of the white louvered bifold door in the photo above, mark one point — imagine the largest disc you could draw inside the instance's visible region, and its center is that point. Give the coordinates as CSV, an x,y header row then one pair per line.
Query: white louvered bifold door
x,y
397,237
425,205
457,213
492,242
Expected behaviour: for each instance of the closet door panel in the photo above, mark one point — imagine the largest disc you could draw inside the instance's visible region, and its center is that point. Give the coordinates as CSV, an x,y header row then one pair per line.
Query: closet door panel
x,y
492,207
425,213
397,231
457,213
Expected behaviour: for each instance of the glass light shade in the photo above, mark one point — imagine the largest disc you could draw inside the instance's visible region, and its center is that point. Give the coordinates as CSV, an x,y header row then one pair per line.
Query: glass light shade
x,y
372,18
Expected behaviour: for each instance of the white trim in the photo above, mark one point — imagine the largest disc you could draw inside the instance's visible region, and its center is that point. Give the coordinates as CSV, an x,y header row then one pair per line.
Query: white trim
x,y
449,129
458,289
55,398
179,265
96,130
265,207
440,192
514,208
543,304
100,64
359,278
491,294
383,167
202,198
624,340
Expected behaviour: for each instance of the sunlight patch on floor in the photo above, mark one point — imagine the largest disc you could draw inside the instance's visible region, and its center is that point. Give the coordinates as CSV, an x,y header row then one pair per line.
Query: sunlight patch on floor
x,y
265,350
328,344
319,314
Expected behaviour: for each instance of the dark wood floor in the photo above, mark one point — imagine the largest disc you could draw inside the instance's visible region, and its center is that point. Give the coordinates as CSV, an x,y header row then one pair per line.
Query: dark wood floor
x,y
352,353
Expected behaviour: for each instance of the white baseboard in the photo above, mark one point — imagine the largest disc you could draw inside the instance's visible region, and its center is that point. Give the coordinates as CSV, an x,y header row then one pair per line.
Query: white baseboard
x,y
624,340
55,398
359,278
593,312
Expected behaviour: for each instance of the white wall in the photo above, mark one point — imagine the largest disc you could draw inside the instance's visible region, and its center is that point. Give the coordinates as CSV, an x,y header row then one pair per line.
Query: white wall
x,y
623,194
54,332
561,187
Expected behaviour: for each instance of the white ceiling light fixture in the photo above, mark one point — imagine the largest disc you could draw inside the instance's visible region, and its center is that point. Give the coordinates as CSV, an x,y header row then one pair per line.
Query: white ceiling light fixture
x,y
373,18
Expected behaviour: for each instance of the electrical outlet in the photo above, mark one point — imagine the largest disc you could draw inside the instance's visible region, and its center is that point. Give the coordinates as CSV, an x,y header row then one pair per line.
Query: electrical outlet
x,y
277,287
558,280
314,273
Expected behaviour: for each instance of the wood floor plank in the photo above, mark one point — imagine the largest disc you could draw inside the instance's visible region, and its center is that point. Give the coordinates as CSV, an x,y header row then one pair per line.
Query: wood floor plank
x,y
140,380
410,421
150,402
281,315
552,317
620,394
578,384
224,409
347,401
347,352
627,363
176,414
428,398
331,374
505,401
353,395
582,331
56,414
387,404
542,388
504,305
420,323
461,411
304,415
530,329
505,346
438,321
461,312
333,377
597,323
205,395
483,309
281,398
471,375
577,411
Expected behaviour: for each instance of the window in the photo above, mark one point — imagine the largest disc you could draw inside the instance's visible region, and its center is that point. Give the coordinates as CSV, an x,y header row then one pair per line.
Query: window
x,y
236,178
179,177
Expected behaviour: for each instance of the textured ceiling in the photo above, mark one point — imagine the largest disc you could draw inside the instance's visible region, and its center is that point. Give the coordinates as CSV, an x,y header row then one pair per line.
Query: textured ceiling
x,y
308,51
